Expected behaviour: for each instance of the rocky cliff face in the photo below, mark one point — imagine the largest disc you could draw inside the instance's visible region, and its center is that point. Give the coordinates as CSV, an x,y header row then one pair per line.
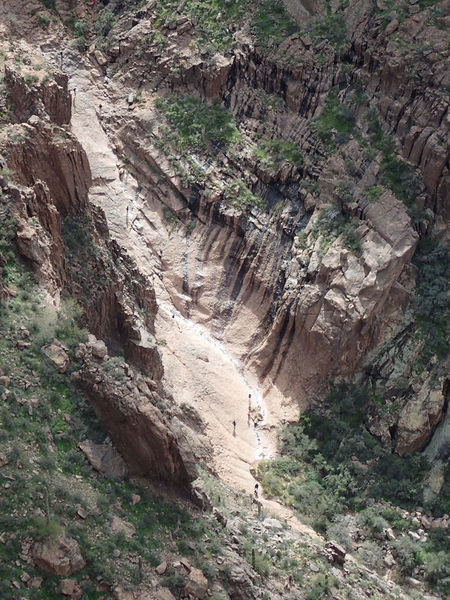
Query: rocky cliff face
x,y
312,307
49,206
136,425
301,266
282,181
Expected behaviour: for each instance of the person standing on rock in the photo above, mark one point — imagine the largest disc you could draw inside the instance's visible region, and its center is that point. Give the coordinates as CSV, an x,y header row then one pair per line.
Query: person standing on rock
x,y
256,490
234,428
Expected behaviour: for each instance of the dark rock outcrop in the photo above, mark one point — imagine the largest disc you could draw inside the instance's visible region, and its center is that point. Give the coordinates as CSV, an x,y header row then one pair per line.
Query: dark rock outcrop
x,y
137,427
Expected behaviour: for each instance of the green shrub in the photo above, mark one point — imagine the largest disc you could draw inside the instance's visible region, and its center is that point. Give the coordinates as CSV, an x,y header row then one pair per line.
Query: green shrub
x,y
438,540
198,125
340,531
395,173
336,118
431,301
262,565
44,19
79,27
330,27
405,551
331,224
104,22
275,152
373,522
43,529
272,23
239,196
373,192
370,555
436,567
31,79
323,587
174,581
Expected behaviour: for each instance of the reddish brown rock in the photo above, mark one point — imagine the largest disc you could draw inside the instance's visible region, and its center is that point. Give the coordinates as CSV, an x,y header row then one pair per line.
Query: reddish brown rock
x,y
197,584
137,428
69,587
104,459
60,556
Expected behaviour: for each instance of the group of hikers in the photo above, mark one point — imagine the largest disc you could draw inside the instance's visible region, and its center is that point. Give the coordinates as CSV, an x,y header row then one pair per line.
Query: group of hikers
x,y
255,415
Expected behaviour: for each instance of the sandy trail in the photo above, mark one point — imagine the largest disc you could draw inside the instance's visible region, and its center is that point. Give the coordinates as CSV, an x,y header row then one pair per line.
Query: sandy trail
x,y
198,370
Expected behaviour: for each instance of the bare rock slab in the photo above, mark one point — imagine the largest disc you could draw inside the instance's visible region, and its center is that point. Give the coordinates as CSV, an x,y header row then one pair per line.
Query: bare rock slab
x,y
105,459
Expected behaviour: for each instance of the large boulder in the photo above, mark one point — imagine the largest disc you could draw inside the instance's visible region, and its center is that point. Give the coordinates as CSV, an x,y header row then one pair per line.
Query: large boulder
x,y
70,588
197,584
419,418
57,354
60,556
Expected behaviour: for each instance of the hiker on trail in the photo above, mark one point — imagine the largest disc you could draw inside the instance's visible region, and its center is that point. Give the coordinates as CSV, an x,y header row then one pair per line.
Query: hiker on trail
x,y
234,428
256,489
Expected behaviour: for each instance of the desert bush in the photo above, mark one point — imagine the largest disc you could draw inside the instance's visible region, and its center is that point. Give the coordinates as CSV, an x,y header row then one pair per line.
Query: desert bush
x,y
105,22
372,522
275,152
174,581
431,302
436,566
323,587
198,125
336,118
43,529
340,530
44,19
405,551
331,224
370,554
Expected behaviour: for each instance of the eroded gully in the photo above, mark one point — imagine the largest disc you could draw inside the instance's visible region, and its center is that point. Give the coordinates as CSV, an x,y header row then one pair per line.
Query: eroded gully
x,y
199,371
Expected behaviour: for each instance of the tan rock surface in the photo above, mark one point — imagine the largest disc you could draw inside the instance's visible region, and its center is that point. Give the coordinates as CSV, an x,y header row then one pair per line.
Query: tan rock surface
x,y
57,354
69,587
197,584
